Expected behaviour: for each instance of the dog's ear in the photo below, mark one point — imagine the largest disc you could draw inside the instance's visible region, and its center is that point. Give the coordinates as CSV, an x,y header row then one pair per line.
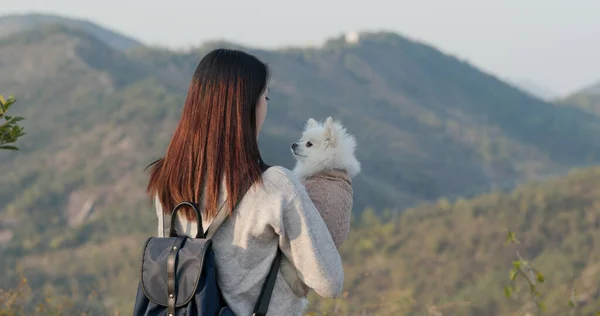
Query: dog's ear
x,y
311,123
330,134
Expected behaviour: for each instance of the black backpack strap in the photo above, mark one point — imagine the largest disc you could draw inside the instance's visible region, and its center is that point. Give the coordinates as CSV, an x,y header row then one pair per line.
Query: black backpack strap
x,y
221,216
218,220
262,305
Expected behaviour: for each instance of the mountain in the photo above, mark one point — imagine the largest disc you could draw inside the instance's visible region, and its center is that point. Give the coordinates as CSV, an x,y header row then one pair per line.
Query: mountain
x,y
587,99
15,23
427,125
534,89
593,89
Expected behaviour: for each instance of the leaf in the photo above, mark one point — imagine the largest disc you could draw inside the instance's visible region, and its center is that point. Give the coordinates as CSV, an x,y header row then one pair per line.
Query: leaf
x,y
508,291
513,275
571,304
510,238
13,119
540,277
517,265
8,103
542,306
532,289
9,147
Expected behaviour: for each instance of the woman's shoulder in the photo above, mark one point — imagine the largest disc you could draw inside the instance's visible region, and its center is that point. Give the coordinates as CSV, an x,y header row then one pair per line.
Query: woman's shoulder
x,y
281,179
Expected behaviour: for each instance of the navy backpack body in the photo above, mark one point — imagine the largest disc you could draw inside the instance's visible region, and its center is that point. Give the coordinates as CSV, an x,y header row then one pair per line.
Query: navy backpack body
x,y
178,274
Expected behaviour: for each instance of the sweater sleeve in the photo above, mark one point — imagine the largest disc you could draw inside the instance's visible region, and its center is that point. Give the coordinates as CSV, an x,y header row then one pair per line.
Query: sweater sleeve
x,y
159,214
306,242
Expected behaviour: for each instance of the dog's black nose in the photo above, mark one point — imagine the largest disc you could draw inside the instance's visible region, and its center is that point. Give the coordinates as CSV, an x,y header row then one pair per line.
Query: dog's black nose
x,y
294,145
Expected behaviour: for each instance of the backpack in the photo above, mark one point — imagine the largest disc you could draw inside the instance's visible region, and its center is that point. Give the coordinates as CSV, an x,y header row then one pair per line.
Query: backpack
x,y
178,275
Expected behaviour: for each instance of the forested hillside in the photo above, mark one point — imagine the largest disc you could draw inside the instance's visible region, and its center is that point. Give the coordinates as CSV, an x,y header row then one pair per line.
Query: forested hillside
x,y
451,256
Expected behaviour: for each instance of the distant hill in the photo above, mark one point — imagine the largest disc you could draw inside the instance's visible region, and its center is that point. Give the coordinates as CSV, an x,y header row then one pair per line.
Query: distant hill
x,y
587,99
427,125
592,89
534,89
15,23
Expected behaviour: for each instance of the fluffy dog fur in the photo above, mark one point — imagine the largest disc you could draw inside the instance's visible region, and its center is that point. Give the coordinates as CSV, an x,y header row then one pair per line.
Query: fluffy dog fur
x,y
325,147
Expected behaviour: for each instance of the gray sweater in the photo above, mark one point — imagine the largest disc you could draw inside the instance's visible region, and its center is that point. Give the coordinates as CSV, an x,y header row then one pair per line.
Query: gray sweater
x,y
278,213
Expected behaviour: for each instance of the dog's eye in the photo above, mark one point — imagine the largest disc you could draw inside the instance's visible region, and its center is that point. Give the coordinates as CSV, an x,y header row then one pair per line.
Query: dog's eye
x,y
308,144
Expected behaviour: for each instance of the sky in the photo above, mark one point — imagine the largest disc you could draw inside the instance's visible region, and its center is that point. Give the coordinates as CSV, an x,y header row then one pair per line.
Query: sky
x,y
550,43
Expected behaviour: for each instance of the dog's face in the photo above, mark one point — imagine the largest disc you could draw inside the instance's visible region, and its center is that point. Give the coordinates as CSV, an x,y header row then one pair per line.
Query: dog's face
x,y
315,142
324,146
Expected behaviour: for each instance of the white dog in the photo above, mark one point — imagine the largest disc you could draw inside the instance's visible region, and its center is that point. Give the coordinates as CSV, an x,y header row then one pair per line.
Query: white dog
x,y
325,147
325,164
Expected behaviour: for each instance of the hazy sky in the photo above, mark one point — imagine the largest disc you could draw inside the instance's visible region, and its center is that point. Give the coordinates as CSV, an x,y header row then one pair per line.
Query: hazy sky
x,y
555,44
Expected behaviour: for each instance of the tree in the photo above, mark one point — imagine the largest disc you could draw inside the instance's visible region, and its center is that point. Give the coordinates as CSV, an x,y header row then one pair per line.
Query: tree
x,y
10,131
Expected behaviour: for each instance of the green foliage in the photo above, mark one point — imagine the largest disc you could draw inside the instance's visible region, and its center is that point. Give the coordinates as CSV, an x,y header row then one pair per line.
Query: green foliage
x,y
524,269
10,130
533,278
20,301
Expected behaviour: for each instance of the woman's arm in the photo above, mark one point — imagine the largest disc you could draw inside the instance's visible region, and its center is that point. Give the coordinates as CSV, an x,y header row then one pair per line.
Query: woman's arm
x,y
306,242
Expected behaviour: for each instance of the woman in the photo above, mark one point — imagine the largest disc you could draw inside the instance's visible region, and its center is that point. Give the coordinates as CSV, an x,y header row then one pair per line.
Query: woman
x,y
213,151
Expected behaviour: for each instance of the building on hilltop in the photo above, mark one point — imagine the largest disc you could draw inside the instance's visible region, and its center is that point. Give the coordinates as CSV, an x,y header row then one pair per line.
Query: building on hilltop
x,y
352,37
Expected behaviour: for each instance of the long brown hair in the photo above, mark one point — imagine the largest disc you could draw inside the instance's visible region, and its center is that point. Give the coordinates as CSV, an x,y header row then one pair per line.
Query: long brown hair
x,y
216,135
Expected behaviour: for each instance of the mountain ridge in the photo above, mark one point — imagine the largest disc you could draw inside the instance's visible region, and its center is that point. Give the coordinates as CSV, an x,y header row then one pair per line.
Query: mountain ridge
x,y
16,23
533,88
587,99
392,93
428,126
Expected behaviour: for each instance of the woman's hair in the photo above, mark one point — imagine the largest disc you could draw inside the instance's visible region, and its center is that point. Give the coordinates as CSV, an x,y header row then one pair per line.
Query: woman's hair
x,y
216,138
